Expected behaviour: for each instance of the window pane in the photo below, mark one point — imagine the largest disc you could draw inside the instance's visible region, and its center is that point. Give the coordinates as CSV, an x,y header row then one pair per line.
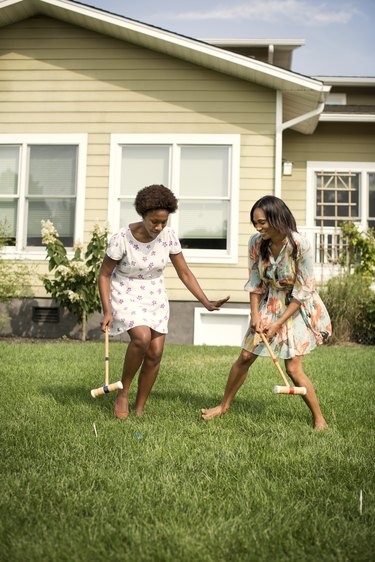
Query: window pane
x,y
60,212
128,214
52,170
339,193
8,221
203,224
9,156
371,187
204,171
142,166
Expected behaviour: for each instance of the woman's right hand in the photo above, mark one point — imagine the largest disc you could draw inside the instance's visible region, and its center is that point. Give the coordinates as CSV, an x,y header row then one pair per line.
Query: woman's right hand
x,y
106,322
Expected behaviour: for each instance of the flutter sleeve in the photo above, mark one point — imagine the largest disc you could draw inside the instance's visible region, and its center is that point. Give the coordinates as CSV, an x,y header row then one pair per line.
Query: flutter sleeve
x,y
174,243
116,246
304,285
254,283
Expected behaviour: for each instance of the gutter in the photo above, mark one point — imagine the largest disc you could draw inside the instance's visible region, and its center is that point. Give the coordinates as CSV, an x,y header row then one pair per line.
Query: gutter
x,y
280,127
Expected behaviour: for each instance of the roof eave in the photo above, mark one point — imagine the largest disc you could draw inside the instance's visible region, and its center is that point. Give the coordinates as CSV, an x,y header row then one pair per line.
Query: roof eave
x,y
310,92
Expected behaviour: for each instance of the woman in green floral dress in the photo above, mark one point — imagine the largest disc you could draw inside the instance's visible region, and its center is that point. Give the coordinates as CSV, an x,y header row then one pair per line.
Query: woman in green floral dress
x,y
284,304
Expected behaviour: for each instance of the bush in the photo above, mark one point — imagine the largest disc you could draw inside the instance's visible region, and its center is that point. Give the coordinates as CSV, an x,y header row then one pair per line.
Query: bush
x,y
360,254
73,283
350,301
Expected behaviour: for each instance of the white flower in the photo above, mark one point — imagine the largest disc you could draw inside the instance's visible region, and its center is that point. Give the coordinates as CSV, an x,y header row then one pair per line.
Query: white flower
x,y
63,269
72,296
49,232
79,267
78,246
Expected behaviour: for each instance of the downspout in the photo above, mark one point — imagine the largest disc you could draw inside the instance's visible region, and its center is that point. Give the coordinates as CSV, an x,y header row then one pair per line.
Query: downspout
x,y
280,127
278,143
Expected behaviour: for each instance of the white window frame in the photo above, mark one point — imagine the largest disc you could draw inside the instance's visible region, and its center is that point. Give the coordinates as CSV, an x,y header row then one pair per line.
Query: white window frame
x,y
23,141
174,141
362,168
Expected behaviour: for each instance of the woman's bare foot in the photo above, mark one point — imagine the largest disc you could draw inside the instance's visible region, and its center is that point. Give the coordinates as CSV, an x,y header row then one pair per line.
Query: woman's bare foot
x,y
209,413
320,425
121,407
138,413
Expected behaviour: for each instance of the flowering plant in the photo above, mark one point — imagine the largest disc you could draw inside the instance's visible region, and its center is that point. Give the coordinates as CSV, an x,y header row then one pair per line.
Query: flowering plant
x,y
74,284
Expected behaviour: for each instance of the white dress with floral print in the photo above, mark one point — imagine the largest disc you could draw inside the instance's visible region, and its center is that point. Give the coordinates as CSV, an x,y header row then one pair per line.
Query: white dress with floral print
x,y
138,295
277,281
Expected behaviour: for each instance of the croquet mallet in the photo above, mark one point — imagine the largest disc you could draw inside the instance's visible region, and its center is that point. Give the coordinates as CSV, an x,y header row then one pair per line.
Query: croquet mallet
x,y
107,387
287,389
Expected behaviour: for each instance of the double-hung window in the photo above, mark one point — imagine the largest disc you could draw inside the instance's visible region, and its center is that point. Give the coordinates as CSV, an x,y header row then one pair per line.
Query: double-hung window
x,y
203,173
41,178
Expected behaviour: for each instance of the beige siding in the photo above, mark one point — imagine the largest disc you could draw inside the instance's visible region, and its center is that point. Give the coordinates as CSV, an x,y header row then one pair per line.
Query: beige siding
x,y
334,142
57,78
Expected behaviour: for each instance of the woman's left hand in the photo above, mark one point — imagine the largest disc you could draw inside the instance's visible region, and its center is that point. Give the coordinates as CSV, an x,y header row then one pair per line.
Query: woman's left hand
x,y
216,305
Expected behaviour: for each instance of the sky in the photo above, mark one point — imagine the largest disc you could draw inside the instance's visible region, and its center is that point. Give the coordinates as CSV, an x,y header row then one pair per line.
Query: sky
x,y
339,35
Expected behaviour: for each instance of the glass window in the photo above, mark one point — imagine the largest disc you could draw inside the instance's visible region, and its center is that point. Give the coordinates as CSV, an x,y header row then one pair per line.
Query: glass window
x,y
140,166
371,199
204,197
337,198
38,182
51,191
204,178
9,173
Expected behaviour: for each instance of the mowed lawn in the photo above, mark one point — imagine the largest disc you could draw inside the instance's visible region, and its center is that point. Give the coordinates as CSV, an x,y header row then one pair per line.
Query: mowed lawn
x,y
255,485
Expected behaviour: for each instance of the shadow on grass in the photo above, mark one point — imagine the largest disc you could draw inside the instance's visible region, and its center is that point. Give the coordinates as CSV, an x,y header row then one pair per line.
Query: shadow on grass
x,y
255,408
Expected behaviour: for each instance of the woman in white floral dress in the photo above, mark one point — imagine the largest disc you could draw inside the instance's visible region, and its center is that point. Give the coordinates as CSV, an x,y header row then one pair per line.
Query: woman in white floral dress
x,y
283,302
133,294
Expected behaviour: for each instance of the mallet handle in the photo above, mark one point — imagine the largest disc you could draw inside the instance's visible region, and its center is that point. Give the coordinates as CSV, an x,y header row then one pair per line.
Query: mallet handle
x,y
106,358
265,341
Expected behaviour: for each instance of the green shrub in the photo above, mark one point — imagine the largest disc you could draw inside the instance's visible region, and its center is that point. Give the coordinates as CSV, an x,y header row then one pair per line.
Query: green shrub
x,y
350,301
74,282
360,255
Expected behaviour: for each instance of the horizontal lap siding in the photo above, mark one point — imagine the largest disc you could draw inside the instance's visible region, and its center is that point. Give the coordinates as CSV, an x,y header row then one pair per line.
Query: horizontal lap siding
x,y
331,142
57,78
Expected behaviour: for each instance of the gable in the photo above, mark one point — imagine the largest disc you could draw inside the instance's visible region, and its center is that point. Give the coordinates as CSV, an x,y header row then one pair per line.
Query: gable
x,y
303,97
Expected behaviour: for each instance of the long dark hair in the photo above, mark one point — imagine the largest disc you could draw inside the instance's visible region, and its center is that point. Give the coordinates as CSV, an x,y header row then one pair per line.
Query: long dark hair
x,y
280,217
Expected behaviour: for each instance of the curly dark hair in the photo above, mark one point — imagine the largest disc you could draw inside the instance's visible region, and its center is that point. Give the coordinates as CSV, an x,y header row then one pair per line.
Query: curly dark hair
x,y
153,198
280,217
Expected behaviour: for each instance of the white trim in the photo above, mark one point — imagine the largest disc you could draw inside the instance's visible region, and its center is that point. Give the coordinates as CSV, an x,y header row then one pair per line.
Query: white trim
x,y
347,117
24,140
329,166
174,140
203,319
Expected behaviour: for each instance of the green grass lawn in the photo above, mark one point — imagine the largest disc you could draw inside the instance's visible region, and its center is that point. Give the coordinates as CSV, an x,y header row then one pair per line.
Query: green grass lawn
x,y
255,485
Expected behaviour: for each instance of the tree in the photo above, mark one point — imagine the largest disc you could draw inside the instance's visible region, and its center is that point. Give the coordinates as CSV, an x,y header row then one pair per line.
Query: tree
x,y
74,284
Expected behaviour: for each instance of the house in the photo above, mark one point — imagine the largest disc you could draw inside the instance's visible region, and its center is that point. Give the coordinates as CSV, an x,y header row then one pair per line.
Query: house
x,y
115,104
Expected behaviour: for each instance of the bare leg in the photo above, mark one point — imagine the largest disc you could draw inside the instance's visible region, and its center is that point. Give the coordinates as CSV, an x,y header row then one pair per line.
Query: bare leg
x,y
149,370
236,378
295,370
140,338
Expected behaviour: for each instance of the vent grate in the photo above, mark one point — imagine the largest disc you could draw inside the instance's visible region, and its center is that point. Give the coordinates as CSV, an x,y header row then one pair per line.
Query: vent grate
x,y
44,314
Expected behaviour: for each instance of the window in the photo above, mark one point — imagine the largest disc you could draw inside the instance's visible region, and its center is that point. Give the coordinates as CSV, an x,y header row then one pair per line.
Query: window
x,y
337,198
338,192
41,178
202,171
